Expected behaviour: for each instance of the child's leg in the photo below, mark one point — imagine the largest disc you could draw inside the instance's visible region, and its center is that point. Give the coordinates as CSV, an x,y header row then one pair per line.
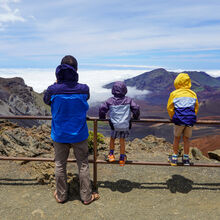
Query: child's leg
x,y
185,158
178,132
176,145
122,146
174,158
186,135
186,145
111,156
123,157
112,144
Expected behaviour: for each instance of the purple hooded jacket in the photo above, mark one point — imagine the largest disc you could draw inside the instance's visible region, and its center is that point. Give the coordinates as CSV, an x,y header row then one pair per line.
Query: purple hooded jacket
x,y
120,108
68,101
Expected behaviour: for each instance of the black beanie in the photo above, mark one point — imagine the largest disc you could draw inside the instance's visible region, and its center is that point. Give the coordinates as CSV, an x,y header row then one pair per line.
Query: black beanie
x,y
70,60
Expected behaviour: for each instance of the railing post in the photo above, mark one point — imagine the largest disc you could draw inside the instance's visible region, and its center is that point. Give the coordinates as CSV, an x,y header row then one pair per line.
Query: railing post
x,y
95,153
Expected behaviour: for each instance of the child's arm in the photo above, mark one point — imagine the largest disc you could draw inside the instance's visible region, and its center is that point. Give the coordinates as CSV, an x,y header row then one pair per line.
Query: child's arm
x,y
170,106
196,106
135,109
103,109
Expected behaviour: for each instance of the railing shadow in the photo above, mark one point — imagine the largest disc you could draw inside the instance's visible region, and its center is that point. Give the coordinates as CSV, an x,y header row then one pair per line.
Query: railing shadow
x,y
177,183
19,182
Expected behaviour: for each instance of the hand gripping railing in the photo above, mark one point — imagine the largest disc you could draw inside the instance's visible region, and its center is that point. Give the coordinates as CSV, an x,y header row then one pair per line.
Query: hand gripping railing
x,y
95,128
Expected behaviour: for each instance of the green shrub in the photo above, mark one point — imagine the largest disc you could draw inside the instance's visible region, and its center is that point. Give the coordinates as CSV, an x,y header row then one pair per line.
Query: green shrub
x,y
100,140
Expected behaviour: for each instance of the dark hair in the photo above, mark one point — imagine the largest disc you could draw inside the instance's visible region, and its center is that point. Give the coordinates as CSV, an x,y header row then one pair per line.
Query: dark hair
x,y
70,60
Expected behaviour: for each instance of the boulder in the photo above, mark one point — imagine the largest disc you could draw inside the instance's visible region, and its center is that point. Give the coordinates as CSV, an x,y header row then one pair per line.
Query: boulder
x,y
214,154
196,153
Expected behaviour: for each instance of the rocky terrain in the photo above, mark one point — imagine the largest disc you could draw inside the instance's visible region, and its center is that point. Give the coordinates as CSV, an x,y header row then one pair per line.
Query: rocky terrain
x,y
131,192
16,98
36,142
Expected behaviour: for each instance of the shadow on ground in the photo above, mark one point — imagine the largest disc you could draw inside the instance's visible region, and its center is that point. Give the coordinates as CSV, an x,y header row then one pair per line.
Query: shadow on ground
x,y
19,182
177,183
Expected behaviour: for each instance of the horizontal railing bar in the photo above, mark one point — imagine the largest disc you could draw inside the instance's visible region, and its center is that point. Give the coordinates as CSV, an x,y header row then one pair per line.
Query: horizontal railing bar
x,y
31,117
28,159
129,162
158,163
142,120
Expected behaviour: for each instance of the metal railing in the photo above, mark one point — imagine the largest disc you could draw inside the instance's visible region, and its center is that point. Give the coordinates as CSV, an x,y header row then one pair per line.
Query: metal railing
x,y
95,161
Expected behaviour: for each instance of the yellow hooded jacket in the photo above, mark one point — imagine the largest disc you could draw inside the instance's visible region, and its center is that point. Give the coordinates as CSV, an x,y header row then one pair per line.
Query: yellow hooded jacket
x,y
183,104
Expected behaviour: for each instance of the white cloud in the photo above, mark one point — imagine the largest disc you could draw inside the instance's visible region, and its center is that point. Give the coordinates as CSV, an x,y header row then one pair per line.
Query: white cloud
x,y
97,29
213,73
40,79
8,13
145,67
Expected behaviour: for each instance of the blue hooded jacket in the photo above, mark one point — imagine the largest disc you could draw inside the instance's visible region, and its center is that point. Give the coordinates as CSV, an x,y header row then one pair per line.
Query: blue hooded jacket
x,y
68,100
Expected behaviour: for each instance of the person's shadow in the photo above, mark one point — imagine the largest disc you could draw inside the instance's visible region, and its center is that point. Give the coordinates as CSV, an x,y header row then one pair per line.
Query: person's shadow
x,y
122,185
125,186
180,184
73,188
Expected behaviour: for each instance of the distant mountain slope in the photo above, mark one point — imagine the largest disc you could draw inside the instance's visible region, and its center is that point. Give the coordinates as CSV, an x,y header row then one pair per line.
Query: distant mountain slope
x,y
160,83
207,143
16,98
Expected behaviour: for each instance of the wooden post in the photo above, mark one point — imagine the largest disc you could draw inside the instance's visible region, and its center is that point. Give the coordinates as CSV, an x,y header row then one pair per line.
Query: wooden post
x,y
95,153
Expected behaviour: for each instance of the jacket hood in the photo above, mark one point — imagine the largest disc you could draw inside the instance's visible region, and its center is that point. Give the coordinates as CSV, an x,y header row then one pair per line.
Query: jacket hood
x,y
182,81
119,89
66,73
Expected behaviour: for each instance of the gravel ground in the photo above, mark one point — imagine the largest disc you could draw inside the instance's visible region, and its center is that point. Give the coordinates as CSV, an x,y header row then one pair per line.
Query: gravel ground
x,y
130,192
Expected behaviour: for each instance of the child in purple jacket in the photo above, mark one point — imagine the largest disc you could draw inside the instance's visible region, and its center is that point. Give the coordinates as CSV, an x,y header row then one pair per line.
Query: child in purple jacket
x,y
120,108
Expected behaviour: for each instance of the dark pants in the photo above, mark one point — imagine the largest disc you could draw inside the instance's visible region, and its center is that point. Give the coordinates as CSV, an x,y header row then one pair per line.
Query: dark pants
x,y
81,155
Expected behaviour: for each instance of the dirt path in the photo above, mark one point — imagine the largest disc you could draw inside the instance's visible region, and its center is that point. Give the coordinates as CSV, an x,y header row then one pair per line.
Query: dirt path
x,y
130,192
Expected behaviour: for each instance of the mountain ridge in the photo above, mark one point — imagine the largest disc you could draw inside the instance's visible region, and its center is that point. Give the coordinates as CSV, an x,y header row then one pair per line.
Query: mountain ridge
x,y
161,83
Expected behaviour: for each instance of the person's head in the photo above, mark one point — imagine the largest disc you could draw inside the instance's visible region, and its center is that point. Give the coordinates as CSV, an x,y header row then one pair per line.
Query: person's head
x,y
119,89
67,70
70,60
182,81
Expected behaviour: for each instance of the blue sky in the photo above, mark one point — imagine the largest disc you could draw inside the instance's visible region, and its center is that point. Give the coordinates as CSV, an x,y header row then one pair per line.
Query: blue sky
x,y
172,34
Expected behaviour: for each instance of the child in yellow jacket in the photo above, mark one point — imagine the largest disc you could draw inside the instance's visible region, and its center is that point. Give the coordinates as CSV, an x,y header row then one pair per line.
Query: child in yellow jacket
x,y
182,108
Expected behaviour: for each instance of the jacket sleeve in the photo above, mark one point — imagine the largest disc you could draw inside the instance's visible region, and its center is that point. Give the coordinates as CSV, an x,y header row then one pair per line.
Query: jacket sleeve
x,y
135,109
47,97
103,109
87,92
170,106
196,106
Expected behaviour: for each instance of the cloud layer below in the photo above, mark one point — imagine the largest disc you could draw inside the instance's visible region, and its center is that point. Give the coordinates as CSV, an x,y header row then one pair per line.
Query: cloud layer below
x,y
40,79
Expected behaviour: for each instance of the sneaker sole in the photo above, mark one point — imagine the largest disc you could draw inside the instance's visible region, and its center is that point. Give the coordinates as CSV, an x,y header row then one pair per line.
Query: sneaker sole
x,y
186,164
173,164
